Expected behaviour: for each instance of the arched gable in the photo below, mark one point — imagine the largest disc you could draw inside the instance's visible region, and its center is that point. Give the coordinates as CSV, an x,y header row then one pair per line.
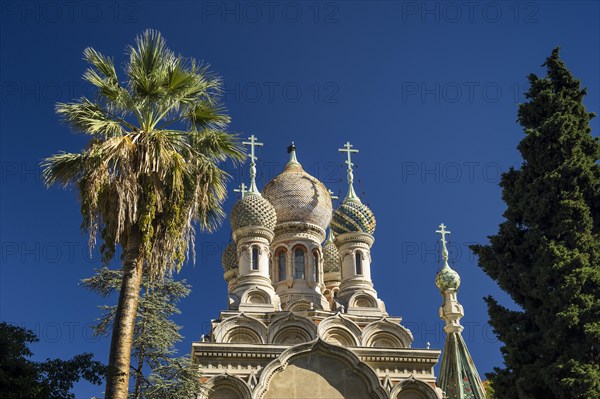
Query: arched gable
x,y
241,329
225,386
318,370
291,329
385,333
339,330
414,389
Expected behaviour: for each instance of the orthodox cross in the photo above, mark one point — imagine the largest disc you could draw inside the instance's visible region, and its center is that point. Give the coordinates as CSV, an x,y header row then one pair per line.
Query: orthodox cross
x,y
252,143
349,150
442,231
332,194
242,190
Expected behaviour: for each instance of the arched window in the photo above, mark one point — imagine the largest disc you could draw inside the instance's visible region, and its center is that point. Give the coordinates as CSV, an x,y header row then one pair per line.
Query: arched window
x,y
315,271
358,257
281,265
299,264
254,261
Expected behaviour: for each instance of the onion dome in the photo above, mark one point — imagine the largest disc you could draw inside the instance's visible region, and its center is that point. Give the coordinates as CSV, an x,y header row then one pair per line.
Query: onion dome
x,y
297,196
253,210
331,256
229,258
447,278
353,217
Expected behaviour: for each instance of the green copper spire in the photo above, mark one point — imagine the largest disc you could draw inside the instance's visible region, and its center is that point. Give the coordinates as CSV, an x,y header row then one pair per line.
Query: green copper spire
x,y
349,150
458,378
252,143
447,278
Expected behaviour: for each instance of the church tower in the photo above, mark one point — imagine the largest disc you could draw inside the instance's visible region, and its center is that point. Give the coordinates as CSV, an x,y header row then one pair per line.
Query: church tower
x,y
253,220
458,375
354,224
303,207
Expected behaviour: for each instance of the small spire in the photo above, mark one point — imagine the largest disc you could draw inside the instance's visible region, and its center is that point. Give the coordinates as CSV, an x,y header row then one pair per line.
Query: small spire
x,y
242,190
442,231
252,143
349,150
330,236
292,151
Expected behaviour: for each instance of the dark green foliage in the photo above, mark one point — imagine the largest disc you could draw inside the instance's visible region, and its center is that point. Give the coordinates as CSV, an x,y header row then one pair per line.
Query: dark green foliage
x,y
21,378
546,255
156,374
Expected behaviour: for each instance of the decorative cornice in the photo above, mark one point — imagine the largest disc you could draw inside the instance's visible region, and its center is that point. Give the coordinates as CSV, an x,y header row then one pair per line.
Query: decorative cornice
x,y
252,232
354,237
289,230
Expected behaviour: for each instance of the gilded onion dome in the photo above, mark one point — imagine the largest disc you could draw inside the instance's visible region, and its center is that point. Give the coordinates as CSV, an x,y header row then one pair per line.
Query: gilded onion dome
x,y
253,210
297,196
229,257
331,256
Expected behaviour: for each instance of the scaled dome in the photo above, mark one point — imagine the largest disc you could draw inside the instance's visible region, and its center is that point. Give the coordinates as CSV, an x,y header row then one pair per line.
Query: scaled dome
x,y
253,210
447,278
299,197
331,258
229,257
353,217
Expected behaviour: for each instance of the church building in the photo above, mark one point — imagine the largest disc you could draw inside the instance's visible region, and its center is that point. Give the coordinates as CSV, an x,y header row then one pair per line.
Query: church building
x,y
304,320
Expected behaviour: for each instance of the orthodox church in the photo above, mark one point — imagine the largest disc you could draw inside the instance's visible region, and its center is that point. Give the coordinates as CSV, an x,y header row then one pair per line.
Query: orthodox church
x,y
304,320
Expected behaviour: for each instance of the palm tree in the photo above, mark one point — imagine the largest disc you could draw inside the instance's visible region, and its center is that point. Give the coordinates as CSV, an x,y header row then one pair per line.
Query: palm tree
x,y
149,172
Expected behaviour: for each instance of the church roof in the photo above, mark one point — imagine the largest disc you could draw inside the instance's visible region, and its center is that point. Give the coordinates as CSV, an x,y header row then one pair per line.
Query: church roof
x,y
299,197
458,375
229,257
253,210
331,256
353,216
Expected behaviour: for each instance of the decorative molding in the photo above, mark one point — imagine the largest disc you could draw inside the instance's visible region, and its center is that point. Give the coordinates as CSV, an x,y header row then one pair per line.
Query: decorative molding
x,y
413,384
320,346
225,380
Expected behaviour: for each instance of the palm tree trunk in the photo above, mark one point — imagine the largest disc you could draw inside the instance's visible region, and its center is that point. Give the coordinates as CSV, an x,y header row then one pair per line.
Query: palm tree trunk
x,y
117,380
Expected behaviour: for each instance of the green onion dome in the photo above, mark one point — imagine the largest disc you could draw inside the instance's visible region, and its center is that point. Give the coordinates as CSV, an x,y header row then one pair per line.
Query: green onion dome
x,y
353,217
447,278
253,210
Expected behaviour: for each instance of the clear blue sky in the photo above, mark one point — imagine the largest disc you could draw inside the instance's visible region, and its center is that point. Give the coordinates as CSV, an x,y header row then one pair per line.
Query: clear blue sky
x,y
428,91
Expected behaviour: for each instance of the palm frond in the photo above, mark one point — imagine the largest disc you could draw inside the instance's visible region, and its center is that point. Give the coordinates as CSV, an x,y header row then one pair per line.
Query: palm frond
x,y
204,115
90,118
63,168
218,145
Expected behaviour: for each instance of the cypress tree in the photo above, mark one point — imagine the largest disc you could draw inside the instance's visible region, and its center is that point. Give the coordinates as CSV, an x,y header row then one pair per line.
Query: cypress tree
x,y
546,254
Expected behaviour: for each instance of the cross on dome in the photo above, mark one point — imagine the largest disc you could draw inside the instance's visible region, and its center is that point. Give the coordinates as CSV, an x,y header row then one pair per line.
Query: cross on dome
x,y
349,150
442,231
252,143
332,194
242,190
